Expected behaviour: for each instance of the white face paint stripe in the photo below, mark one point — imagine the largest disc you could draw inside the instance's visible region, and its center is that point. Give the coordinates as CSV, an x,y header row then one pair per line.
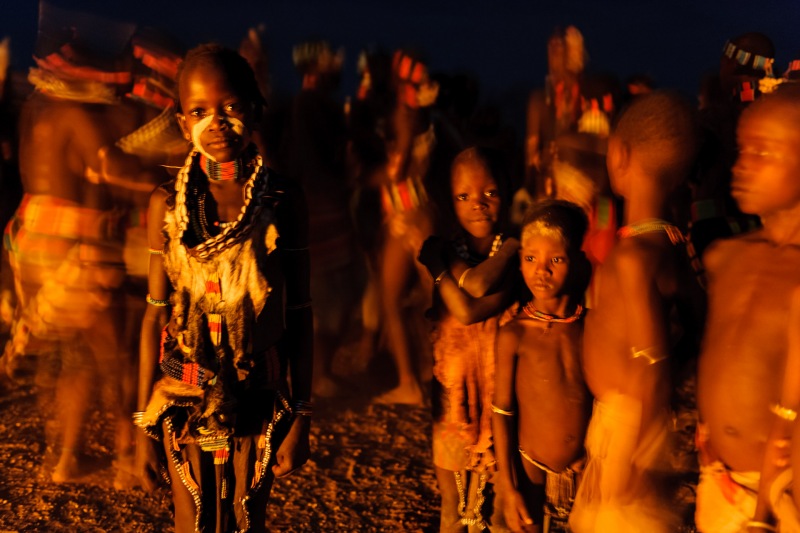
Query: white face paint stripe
x,y
236,125
199,128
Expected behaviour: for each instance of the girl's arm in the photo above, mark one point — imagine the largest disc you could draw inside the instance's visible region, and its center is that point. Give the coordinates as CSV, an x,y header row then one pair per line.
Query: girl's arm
x,y
445,268
154,321
298,337
487,276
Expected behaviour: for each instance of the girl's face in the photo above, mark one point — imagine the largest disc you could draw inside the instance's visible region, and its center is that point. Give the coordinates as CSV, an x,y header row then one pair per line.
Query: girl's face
x,y
476,199
544,264
216,118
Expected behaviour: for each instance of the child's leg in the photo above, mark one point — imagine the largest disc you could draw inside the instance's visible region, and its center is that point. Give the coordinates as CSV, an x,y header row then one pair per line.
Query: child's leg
x,y
396,269
531,486
450,519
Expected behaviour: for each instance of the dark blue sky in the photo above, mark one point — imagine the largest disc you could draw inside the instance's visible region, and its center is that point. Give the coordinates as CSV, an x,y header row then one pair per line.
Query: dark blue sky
x,y
502,42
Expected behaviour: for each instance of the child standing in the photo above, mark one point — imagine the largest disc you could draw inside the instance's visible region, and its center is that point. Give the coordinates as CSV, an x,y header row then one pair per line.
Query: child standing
x,y
628,339
471,276
541,403
229,301
743,360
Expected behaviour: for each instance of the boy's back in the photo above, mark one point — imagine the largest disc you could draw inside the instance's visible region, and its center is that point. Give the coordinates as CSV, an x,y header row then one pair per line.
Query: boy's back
x,y
628,335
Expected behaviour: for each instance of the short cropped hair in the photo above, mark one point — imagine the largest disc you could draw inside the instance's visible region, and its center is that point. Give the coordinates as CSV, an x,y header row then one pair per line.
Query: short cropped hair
x,y
558,219
231,63
786,99
661,130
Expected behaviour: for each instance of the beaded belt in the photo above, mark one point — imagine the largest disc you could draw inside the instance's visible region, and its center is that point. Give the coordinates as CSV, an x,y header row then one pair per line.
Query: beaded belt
x,y
403,196
191,373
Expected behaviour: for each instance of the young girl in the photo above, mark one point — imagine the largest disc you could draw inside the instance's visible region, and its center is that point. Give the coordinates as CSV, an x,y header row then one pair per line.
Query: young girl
x,y
229,301
541,403
472,280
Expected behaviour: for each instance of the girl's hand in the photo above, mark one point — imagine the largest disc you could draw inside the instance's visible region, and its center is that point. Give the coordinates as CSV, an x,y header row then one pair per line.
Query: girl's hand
x,y
515,511
431,255
294,450
146,462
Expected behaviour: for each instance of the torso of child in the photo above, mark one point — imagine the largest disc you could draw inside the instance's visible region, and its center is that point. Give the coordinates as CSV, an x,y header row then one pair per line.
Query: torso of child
x,y
607,355
741,364
553,402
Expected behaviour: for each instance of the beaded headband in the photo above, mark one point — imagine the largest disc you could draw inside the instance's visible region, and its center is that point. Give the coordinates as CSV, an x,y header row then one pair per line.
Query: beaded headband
x,y
745,58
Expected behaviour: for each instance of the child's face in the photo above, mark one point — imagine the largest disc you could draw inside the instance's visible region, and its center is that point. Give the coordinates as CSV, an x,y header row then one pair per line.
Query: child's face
x,y
216,118
476,199
544,264
766,176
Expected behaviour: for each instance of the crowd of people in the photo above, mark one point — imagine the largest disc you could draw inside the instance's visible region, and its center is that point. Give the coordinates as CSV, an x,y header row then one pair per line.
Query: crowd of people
x,y
598,318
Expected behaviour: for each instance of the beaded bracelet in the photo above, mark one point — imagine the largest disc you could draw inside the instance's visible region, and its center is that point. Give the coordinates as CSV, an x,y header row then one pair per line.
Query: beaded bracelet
x,y
153,251
303,408
783,412
762,525
653,354
463,278
157,303
503,412
304,305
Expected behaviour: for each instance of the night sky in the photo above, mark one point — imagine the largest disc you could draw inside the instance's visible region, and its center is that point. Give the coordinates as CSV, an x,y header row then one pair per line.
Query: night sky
x,y
501,42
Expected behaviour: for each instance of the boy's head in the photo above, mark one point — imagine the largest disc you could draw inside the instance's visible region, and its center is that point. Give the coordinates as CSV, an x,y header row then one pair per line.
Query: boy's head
x,y
219,102
551,259
656,136
766,176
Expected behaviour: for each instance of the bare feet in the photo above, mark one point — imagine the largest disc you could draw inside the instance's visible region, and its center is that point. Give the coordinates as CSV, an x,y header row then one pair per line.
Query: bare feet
x,y
66,469
410,394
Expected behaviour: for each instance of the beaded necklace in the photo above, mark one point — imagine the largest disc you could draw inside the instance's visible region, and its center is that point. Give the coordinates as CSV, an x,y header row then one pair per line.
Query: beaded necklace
x,y
541,316
463,251
254,188
217,171
649,226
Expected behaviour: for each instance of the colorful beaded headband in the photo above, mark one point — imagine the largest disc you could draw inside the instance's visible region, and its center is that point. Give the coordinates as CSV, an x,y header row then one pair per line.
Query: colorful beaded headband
x,y
746,58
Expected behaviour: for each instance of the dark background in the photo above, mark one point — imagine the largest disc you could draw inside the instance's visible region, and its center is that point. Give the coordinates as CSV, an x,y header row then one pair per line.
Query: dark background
x,y
502,42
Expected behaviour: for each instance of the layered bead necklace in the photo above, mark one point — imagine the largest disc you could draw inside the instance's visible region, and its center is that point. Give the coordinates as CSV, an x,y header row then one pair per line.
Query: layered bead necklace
x,y
215,171
541,316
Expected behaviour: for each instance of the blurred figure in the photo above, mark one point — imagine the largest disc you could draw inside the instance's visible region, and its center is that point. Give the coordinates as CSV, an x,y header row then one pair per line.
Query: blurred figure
x,y
745,60
751,326
555,109
409,182
630,341
541,403
64,240
314,154
473,275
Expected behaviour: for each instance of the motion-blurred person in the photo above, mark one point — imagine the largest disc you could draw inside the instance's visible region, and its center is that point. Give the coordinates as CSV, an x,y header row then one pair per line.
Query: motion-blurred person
x,y
556,108
745,424
744,61
65,241
410,184
314,154
629,341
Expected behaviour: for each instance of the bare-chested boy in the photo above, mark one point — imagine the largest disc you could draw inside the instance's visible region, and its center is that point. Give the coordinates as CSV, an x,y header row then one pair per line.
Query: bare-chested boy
x,y
627,338
541,402
751,281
